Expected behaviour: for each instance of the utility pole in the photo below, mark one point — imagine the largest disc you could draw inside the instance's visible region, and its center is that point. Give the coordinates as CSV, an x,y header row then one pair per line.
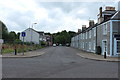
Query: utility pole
x,y
32,34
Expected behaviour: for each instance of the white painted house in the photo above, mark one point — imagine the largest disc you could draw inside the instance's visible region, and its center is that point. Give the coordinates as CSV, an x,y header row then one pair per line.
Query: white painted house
x,y
32,35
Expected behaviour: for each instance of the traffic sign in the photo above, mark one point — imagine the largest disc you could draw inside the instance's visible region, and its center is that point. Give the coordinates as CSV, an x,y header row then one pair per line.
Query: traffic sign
x,y
23,34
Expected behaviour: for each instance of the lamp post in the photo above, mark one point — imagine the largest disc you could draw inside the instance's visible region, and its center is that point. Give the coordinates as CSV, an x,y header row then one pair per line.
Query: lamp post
x,y
32,33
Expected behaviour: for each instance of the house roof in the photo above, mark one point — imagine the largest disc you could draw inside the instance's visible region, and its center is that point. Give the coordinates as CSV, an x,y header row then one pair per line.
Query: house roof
x,y
39,32
116,16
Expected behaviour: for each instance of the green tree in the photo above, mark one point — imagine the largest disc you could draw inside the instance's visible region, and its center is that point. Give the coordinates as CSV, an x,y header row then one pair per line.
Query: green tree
x,y
12,36
63,37
5,32
18,35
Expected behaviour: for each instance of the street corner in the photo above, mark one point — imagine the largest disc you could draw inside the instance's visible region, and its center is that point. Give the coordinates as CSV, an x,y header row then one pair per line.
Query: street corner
x,y
98,57
25,55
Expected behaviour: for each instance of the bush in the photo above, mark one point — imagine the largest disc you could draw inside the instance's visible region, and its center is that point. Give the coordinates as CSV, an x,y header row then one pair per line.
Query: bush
x,y
43,43
17,41
98,50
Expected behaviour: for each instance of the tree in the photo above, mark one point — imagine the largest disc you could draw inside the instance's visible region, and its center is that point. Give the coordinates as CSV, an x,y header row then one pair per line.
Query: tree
x,y
12,36
4,32
18,35
63,37
47,33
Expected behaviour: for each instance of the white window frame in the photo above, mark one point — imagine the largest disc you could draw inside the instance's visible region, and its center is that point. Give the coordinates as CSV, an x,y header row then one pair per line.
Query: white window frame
x,y
86,35
90,34
94,31
83,45
83,35
115,45
106,47
89,45
94,45
104,26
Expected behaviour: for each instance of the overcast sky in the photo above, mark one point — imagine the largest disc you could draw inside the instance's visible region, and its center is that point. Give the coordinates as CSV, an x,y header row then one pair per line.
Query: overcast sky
x,y
52,17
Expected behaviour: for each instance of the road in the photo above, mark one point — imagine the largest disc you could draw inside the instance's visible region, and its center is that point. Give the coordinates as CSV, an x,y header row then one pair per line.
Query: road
x,y
58,62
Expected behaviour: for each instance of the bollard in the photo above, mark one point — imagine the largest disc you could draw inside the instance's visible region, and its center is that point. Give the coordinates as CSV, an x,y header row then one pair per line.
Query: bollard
x,y
105,55
15,52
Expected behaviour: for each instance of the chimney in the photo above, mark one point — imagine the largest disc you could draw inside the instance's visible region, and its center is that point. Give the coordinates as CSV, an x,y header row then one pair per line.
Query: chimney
x,y
100,18
83,27
79,30
100,12
108,8
91,23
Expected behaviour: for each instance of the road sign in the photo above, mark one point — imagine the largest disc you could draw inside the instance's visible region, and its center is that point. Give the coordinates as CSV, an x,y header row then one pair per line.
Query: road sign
x,y
23,34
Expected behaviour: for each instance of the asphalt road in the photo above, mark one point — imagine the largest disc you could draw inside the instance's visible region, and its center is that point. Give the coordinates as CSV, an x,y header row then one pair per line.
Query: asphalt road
x,y
58,62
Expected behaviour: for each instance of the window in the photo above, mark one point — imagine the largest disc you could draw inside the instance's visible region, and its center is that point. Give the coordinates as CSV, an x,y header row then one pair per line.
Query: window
x,y
80,36
94,32
90,34
94,45
83,35
118,47
89,45
86,35
83,45
104,29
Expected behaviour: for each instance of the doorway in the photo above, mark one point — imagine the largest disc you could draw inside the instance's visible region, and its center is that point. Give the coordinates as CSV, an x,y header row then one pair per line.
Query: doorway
x,y
104,47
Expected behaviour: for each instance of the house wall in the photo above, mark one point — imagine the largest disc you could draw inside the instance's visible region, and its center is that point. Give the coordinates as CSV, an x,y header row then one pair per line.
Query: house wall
x,y
115,31
105,32
101,36
87,40
30,33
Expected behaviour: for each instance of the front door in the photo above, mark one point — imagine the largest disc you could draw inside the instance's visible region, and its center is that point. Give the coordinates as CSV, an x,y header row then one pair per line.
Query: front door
x,y
104,47
118,46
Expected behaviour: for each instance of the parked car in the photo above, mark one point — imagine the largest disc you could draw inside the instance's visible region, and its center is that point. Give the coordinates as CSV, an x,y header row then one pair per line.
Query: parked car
x,y
60,44
67,44
54,45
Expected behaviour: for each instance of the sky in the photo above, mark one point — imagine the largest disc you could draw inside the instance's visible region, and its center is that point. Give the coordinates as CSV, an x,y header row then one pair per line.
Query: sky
x,y
51,16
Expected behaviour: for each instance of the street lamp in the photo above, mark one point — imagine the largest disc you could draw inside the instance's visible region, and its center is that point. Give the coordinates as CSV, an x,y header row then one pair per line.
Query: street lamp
x,y
33,24
32,33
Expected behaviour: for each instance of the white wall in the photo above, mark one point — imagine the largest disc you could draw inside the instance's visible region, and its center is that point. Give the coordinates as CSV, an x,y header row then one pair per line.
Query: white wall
x,y
30,33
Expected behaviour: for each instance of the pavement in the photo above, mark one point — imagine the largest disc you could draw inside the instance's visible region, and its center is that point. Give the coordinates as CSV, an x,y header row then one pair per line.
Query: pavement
x,y
97,57
80,53
29,54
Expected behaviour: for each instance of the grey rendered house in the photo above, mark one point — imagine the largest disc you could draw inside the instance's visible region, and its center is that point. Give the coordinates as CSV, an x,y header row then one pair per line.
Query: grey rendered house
x,y
105,33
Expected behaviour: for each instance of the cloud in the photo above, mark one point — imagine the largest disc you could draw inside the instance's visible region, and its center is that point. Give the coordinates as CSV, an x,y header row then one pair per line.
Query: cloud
x,y
49,16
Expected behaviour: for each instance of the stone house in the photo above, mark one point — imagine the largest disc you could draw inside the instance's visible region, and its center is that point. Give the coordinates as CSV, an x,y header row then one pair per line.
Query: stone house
x,y
105,34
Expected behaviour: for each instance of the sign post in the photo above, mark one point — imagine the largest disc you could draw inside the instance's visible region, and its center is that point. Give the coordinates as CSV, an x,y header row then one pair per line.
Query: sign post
x,y
23,35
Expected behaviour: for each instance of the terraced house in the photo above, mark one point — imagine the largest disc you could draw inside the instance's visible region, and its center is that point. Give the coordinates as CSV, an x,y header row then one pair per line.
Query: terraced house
x,y
104,36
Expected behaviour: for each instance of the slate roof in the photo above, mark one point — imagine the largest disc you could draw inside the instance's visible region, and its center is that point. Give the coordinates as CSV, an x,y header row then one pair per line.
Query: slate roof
x,y
116,16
